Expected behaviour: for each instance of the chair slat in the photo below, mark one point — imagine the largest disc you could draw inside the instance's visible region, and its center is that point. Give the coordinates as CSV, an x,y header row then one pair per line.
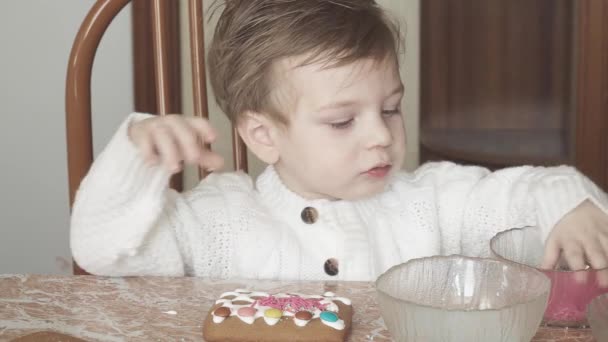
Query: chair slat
x,y
197,50
199,81
159,21
199,76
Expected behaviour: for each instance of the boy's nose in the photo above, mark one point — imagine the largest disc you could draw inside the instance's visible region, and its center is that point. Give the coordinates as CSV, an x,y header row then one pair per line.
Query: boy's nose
x,y
379,134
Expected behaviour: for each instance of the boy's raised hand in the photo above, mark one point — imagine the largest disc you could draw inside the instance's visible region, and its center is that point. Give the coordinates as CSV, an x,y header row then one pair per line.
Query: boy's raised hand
x,y
581,239
173,140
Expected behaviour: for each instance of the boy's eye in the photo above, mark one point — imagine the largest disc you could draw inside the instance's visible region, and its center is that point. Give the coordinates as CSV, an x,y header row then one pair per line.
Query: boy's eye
x,y
390,112
342,124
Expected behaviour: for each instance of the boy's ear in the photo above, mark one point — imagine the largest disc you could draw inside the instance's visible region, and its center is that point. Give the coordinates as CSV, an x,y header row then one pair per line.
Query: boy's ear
x,y
259,134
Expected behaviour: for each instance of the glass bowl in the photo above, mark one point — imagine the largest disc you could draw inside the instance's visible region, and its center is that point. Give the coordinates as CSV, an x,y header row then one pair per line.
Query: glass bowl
x,y
571,291
597,312
456,298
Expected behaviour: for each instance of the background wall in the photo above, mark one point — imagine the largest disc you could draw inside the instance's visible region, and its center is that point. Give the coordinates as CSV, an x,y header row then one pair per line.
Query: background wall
x,y
407,13
36,37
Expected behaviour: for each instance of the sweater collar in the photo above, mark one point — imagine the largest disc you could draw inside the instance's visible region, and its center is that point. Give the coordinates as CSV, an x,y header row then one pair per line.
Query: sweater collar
x,y
278,195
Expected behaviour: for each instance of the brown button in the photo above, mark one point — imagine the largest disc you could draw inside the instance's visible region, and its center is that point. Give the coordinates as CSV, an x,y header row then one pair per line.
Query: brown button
x,y
304,315
331,267
222,312
309,215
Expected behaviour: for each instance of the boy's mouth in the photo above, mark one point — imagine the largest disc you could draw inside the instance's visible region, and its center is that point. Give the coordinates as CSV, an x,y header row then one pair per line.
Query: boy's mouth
x,y
379,171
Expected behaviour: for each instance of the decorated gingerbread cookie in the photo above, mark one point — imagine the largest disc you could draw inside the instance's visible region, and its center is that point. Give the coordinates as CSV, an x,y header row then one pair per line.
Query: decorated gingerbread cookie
x,y
244,315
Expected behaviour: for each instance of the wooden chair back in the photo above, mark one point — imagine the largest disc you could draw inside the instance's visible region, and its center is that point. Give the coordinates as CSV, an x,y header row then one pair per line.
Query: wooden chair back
x,y
78,83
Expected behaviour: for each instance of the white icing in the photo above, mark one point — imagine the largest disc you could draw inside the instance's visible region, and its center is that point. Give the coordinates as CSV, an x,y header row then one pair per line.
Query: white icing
x,y
222,301
218,319
271,321
239,292
259,294
248,320
300,322
227,294
332,307
240,295
339,324
333,297
346,301
243,298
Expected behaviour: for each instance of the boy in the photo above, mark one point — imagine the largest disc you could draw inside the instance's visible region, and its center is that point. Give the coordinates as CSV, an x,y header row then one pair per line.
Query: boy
x,y
314,89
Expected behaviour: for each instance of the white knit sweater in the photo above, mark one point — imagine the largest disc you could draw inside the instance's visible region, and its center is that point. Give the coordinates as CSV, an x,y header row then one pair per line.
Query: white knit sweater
x,y
126,221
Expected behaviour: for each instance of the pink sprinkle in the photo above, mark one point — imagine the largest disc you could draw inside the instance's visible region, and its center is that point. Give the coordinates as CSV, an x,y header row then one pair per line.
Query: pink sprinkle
x,y
292,303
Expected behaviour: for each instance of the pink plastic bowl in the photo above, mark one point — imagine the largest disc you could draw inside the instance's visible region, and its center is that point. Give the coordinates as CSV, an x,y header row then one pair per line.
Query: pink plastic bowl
x,y
571,291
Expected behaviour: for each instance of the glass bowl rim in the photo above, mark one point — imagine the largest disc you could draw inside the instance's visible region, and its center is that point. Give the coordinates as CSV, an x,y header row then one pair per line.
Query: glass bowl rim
x,y
545,280
500,257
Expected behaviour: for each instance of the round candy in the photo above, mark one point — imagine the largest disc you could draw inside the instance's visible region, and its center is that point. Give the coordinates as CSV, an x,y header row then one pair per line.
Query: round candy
x,y
329,316
304,315
273,313
222,312
247,312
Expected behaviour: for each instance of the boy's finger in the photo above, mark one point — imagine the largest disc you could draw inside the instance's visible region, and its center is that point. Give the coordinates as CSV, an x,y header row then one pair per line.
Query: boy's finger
x,y
146,148
575,257
602,274
603,240
595,254
602,278
166,147
551,255
187,141
211,161
204,129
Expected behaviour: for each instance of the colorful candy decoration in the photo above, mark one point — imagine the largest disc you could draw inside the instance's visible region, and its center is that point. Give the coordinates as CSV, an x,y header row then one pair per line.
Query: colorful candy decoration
x,y
329,316
272,316
249,306
301,318
303,315
220,314
247,311
273,313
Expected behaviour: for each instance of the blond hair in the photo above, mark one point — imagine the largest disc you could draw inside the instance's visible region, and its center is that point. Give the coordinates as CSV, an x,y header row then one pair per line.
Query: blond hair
x,y
251,35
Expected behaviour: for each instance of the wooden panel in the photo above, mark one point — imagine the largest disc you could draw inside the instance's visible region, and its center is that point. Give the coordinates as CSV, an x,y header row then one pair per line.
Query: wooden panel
x,y
495,148
495,67
592,94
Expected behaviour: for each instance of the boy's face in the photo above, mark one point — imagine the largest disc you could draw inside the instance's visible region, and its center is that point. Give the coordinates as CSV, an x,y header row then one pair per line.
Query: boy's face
x,y
345,135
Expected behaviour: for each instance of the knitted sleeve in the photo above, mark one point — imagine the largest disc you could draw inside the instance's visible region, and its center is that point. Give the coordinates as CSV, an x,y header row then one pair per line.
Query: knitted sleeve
x,y
474,204
124,219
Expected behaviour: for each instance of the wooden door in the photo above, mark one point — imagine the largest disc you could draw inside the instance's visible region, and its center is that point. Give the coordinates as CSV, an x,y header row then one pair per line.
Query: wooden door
x,y
515,82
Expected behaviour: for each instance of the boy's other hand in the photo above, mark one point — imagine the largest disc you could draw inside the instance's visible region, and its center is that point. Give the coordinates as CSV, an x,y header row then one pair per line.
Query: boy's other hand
x,y
582,237
175,139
